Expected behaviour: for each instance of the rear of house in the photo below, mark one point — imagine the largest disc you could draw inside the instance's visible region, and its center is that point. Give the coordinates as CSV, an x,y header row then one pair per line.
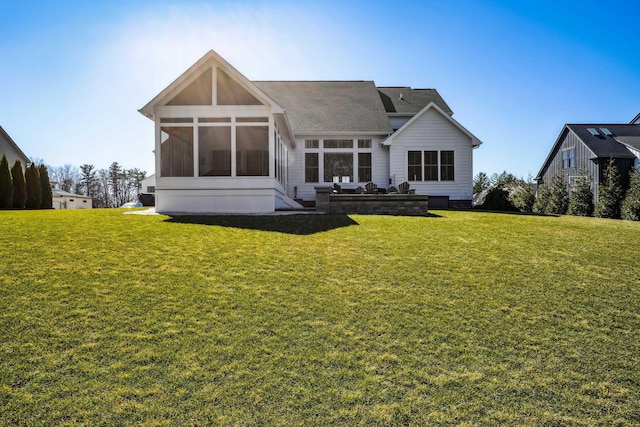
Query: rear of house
x,y
225,144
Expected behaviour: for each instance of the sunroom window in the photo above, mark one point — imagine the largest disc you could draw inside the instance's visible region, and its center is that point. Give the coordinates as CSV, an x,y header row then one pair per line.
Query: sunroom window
x,y
176,151
252,151
214,150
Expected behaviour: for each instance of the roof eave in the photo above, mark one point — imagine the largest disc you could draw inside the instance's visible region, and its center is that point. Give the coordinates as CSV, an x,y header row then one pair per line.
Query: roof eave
x,y
11,141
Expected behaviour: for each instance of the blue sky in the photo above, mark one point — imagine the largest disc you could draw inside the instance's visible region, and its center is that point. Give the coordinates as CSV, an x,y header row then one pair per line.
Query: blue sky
x,y
74,73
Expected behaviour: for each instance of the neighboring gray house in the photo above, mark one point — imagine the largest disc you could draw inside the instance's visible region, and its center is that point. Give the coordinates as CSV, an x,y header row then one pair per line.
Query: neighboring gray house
x,y
590,146
10,149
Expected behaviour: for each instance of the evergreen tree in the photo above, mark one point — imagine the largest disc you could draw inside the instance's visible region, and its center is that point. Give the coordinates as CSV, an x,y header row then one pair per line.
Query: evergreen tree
x,y
581,203
34,193
481,182
46,201
6,186
542,199
19,186
523,196
559,196
630,208
610,193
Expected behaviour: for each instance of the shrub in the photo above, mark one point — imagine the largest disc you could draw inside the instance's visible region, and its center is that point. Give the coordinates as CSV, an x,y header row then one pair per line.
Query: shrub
x,y
610,193
558,197
497,199
581,203
630,208
34,193
6,186
19,186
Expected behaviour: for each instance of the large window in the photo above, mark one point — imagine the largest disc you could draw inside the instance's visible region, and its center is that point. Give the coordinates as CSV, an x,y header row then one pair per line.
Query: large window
x,y
433,165
176,151
338,167
338,160
214,150
414,166
568,158
311,171
446,166
364,167
430,165
252,151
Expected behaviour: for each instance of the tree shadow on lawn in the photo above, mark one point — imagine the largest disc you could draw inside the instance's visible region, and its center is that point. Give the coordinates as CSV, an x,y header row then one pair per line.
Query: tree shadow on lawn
x,y
289,224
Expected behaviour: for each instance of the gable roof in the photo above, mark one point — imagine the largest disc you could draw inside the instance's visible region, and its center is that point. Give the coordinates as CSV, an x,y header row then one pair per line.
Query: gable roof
x,y
403,99
635,120
208,60
330,106
602,146
475,142
4,135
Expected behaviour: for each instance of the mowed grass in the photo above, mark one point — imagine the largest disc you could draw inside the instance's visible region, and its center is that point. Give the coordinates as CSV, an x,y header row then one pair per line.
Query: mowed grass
x,y
462,318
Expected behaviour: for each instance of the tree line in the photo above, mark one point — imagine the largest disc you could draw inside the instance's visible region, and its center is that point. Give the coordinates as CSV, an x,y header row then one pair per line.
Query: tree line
x,y
111,187
31,189
24,190
505,192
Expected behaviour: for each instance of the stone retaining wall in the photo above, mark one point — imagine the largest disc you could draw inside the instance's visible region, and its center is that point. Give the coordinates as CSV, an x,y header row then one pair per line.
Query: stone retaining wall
x,y
377,204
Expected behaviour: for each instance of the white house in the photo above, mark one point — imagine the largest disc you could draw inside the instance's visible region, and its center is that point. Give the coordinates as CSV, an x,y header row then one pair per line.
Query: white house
x,y
224,144
148,185
61,199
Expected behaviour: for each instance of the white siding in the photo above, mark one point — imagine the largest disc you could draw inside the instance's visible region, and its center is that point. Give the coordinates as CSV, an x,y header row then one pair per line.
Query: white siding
x,y
432,131
71,202
12,154
217,194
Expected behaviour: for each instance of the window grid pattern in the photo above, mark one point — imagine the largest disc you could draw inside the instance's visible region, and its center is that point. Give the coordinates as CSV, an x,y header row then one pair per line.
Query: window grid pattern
x,y
432,165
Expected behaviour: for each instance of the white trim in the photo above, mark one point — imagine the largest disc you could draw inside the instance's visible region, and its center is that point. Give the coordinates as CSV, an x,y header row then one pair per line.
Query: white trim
x,y
330,134
213,60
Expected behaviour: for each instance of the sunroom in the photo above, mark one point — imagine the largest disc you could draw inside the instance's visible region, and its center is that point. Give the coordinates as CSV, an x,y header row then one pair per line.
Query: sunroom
x,y
222,143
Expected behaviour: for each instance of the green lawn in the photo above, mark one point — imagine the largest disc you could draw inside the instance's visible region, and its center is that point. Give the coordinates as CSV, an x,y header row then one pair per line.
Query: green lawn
x,y
461,318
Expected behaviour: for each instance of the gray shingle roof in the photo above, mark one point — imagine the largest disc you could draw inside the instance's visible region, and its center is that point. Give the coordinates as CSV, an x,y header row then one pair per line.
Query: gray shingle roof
x,y
632,141
412,101
605,146
329,106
